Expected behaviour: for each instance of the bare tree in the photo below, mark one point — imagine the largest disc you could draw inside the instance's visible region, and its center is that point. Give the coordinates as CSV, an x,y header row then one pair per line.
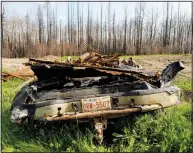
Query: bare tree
x,y
141,34
165,40
69,24
114,34
105,33
60,31
139,18
125,33
40,23
78,39
101,45
2,24
56,27
82,26
109,28
47,5
88,28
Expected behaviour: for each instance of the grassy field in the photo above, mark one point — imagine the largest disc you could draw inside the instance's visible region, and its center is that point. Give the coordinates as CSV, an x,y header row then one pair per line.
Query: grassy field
x,y
168,131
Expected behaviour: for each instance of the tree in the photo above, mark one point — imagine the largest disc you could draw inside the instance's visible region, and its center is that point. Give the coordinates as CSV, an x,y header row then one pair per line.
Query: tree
x,y
69,25
47,5
114,34
139,18
40,23
101,45
125,33
109,28
78,28
165,41
88,28
2,24
143,33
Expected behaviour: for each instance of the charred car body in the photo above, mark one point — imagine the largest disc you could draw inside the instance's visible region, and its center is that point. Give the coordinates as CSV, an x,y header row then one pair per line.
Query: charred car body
x,y
95,88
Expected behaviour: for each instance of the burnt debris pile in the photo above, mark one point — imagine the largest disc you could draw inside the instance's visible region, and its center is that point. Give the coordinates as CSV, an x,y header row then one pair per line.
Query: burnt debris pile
x,y
93,69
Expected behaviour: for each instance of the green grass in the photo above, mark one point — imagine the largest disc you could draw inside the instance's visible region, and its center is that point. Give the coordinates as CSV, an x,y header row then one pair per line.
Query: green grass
x,y
72,57
161,132
183,83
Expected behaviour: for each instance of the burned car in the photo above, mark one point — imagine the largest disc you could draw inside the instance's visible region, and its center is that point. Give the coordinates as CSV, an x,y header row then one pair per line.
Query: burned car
x,y
93,88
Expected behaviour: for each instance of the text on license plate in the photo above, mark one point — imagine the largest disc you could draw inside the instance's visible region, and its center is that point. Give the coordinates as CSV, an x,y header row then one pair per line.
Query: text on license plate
x,y
96,103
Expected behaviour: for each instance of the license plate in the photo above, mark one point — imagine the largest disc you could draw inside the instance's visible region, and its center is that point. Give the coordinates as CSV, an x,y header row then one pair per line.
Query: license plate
x,y
96,103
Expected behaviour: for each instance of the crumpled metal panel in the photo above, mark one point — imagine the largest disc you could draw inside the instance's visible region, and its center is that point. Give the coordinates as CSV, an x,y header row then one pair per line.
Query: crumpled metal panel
x,y
92,64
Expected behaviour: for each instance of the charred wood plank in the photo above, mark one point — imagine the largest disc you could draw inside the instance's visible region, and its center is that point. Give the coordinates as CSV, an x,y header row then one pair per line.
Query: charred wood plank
x,y
14,75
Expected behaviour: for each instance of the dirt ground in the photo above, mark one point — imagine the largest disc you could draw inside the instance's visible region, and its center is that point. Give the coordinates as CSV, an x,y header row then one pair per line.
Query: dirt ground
x,y
14,64
160,62
153,62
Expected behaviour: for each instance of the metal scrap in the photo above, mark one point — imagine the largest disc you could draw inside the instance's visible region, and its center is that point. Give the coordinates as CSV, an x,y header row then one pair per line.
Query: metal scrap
x,y
92,64
93,87
95,114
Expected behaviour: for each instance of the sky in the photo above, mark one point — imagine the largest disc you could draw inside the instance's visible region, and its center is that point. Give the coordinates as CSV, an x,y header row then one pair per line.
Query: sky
x,y
21,8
